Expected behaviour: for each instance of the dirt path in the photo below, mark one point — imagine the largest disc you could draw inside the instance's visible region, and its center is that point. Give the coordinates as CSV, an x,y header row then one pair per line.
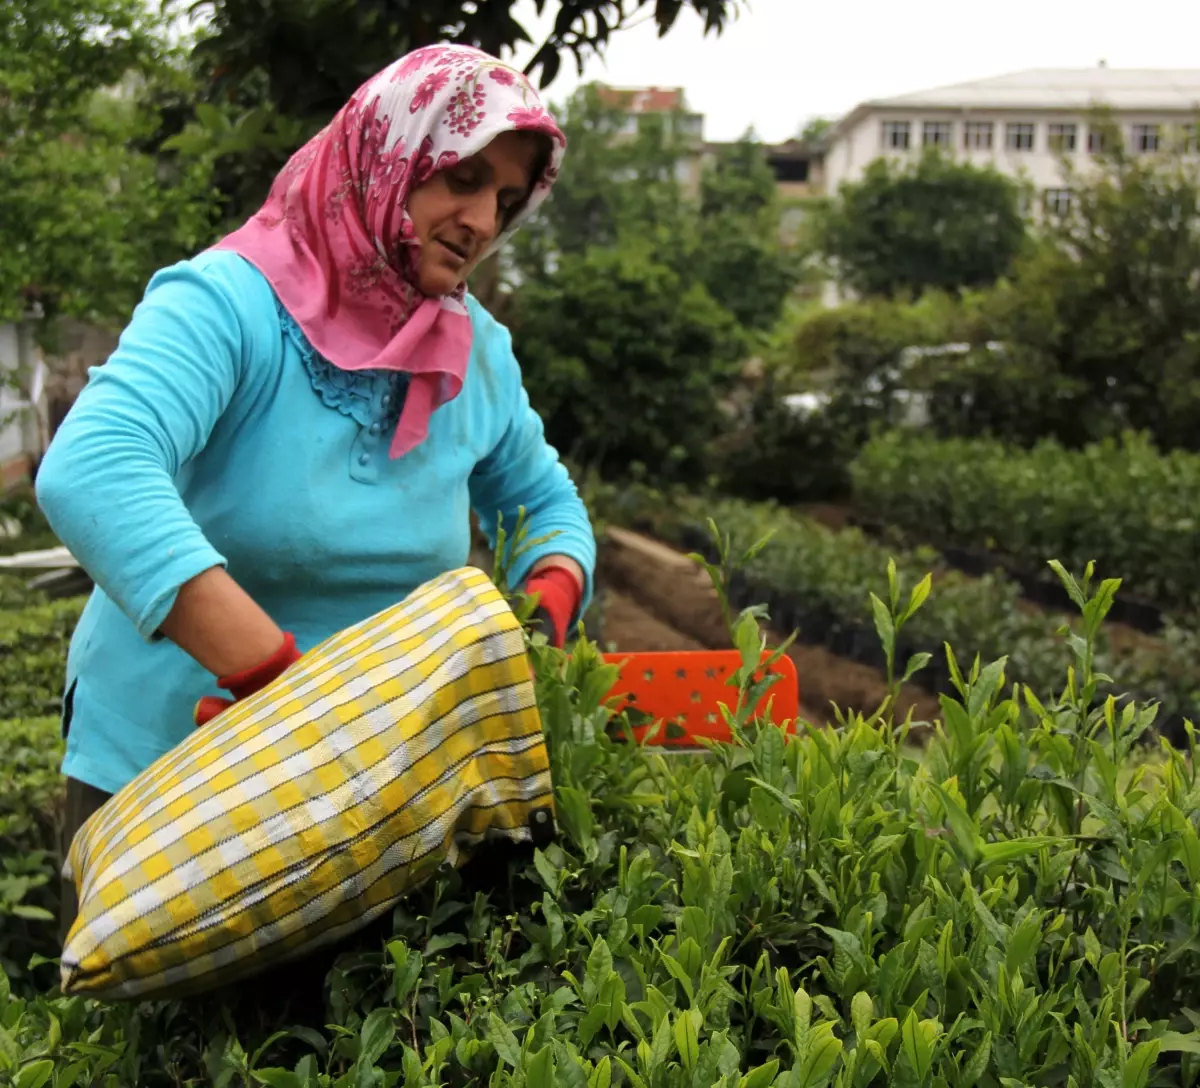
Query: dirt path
x,y
655,589
628,626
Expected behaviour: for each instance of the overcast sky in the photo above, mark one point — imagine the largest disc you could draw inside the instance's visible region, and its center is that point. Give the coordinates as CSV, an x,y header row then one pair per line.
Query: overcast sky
x,y
783,61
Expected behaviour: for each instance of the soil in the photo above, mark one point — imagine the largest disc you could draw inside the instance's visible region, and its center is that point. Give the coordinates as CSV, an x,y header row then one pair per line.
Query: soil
x,y
656,592
630,627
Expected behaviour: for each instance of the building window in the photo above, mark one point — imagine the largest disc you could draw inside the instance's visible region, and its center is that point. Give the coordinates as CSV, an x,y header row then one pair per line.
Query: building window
x,y
793,170
1146,137
1058,201
896,135
977,135
1190,141
1020,136
1100,140
1061,137
937,133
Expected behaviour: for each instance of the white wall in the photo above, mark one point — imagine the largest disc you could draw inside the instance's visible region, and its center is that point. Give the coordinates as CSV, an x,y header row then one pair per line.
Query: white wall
x,y
855,148
22,426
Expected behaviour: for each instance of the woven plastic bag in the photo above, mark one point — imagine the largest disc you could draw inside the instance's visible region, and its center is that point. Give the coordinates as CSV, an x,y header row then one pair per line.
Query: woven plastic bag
x,y
304,812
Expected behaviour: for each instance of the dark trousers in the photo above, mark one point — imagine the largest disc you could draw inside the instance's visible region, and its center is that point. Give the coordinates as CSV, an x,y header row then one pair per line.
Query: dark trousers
x,y
82,800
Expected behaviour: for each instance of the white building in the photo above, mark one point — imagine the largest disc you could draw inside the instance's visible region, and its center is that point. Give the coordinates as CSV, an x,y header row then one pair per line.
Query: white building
x,y
1022,124
23,406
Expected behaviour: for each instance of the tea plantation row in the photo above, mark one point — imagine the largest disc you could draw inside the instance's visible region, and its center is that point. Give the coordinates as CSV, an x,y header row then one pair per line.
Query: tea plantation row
x,y
1123,505
817,580
1019,906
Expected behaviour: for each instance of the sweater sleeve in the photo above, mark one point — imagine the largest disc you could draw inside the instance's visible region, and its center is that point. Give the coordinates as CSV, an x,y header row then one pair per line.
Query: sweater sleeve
x,y
108,481
524,470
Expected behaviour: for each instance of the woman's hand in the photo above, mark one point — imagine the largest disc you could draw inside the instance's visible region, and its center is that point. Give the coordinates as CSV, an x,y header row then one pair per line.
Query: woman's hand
x,y
557,582
219,624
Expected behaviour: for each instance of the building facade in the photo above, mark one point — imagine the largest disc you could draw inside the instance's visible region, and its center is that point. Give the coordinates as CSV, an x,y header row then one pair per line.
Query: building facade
x,y
24,422
1024,124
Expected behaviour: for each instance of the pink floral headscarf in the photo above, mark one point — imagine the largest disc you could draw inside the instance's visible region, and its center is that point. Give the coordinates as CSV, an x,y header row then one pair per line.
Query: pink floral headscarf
x,y
334,237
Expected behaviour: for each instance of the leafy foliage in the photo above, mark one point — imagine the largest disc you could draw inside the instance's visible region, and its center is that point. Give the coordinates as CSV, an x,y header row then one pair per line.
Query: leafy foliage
x,y
629,281
935,223
1122,504
625,360
739,255
274,74
1094,327
31,794
614,185
1105,307
33,643
815,578
86,214
816,909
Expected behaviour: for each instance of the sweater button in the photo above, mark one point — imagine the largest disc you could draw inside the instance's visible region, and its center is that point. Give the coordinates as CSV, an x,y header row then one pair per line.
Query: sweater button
x,y
363,458
374,428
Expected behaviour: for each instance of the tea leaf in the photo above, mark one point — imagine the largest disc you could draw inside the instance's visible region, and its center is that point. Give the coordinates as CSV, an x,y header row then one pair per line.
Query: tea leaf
x,y
916,1047
549,875
687,1028
761,1077
883,622
274,1077
978,1063
601,1076
539,1070
861,1013
35,1074
1141,1064
599,966
1174,1041
378,1031
823,1053
10,1053
505,1042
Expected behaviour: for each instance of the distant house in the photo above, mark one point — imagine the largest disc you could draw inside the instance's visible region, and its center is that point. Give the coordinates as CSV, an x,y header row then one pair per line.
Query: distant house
x,y
24,415
670,105
666,102
1023,124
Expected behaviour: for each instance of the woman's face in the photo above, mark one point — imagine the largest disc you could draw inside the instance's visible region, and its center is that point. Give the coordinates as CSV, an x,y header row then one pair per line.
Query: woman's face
x,y
459,211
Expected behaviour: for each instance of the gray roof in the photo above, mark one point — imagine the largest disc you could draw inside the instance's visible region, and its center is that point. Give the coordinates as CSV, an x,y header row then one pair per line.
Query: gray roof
x,y
1064,88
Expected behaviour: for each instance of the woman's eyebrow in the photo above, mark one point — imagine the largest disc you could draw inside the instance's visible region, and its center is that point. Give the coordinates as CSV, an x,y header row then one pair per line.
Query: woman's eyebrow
x,y
480,163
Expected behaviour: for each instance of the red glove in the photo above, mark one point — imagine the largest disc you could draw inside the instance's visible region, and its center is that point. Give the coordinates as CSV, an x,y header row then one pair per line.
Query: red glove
x,y
558,595
246,683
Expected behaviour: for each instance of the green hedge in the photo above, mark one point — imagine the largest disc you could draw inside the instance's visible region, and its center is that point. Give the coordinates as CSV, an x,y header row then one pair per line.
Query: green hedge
x,y
33,653
1124,505
818,580
1019,907
30,809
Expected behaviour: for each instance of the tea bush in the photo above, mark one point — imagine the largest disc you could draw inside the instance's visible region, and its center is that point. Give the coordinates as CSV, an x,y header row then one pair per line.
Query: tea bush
x,y
815,579
30,811
1123,504
1018,907
33,650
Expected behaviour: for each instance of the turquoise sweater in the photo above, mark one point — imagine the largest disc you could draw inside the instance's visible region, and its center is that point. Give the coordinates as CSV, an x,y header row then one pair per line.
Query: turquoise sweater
x,y
216,435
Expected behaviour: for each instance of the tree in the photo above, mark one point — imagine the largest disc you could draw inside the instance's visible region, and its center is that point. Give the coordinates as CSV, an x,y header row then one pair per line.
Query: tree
x,y
612,185
814,130
275,73
1106,306
739,255
935,223
85,215
626,360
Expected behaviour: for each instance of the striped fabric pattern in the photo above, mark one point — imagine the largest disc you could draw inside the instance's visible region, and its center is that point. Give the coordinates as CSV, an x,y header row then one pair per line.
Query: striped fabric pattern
x,y
307,810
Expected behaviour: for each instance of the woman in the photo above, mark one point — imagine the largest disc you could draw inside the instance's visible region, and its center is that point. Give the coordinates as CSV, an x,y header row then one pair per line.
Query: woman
x,y
296,423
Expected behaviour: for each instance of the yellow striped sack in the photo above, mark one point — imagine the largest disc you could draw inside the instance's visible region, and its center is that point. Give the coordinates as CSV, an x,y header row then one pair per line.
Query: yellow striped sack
x,y
304,812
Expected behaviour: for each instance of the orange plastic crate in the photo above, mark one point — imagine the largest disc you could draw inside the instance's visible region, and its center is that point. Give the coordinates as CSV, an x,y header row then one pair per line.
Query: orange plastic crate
x,y
683,688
